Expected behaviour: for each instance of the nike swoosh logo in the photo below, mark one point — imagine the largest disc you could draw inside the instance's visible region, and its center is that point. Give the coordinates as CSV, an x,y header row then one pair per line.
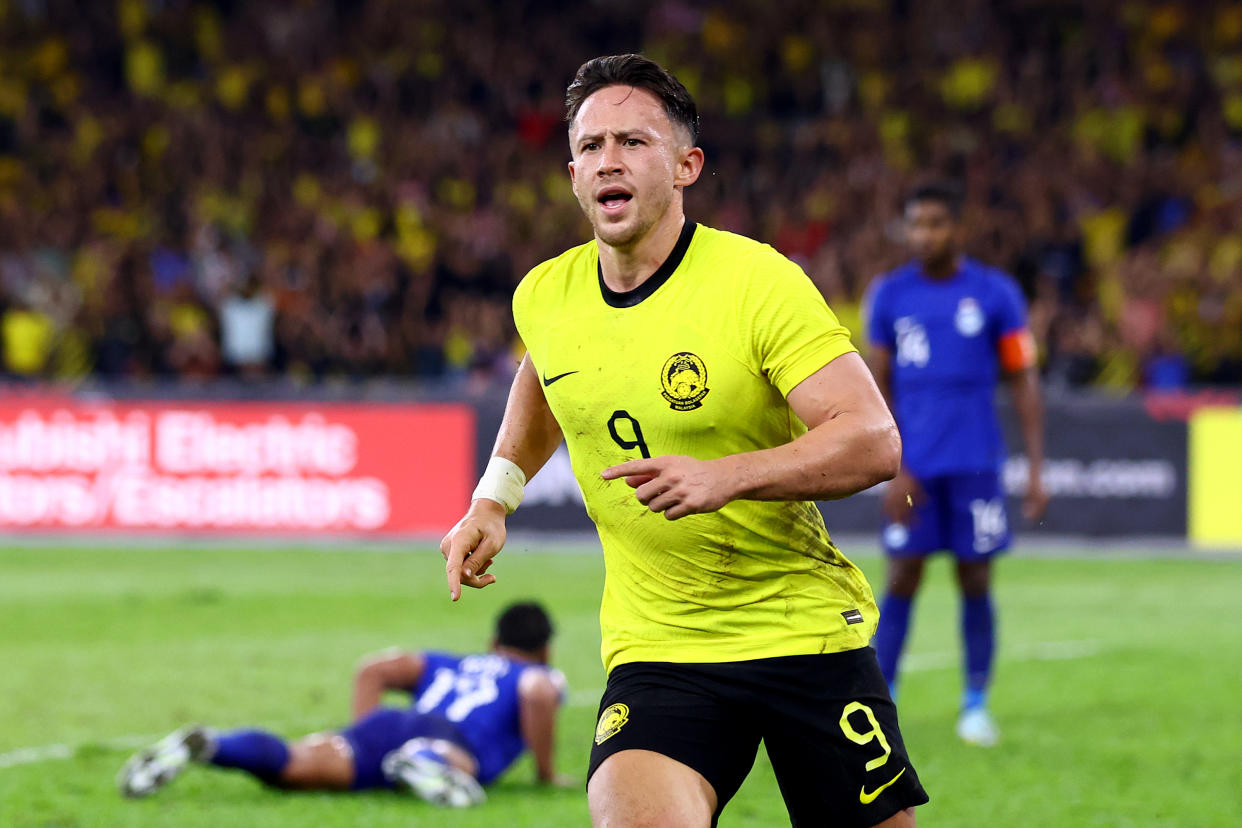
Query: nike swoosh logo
x,y
867,798
549,380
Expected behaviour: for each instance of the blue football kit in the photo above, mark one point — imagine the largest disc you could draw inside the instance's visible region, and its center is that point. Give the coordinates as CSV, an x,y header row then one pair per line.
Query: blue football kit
x,y
470,701
949,340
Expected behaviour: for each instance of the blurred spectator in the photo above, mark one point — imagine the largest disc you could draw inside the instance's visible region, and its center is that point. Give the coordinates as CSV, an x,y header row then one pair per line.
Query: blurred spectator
x,y
388,171
1165,368
28,337
246,330
1074,345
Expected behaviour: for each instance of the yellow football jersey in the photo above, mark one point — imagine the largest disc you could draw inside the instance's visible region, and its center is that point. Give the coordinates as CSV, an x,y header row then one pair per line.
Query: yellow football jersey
x,y
695,361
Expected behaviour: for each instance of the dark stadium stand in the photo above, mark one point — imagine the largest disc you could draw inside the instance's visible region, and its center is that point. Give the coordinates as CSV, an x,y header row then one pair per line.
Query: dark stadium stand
x,y
343,190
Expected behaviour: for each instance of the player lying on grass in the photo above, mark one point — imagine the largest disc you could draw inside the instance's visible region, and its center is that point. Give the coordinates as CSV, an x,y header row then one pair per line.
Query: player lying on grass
x,y
472,717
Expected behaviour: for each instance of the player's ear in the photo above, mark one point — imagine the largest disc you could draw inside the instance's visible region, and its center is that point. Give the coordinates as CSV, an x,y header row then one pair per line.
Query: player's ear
x,y
689,165
573,178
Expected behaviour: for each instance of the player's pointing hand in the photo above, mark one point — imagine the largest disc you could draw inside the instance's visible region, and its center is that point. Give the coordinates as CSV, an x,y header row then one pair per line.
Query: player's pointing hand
x,y
676,485
470,546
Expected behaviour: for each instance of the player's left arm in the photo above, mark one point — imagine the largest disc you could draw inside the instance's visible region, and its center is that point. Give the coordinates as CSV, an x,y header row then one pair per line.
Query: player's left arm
x,y
851,444
1016,350
539,699
388,670
904,490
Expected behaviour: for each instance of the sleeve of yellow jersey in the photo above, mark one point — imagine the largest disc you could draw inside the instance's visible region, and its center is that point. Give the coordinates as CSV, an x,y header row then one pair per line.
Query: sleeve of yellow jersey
x,y
520,305
792,330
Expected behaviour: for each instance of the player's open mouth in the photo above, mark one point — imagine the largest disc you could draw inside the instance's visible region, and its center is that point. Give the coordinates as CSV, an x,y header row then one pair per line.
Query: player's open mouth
x,y
613,199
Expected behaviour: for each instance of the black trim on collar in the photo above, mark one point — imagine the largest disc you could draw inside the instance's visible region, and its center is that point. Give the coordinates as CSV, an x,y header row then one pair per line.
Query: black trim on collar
x,y
630,298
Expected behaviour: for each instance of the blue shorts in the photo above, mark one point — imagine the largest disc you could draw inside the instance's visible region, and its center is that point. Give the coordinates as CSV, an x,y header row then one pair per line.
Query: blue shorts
x,y
963,513
384,730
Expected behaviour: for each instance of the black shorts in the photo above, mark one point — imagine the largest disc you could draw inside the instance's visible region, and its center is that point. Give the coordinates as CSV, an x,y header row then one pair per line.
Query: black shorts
x,y
827,720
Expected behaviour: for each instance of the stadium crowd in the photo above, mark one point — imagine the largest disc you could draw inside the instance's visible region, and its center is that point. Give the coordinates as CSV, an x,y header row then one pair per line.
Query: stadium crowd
x,y
319,189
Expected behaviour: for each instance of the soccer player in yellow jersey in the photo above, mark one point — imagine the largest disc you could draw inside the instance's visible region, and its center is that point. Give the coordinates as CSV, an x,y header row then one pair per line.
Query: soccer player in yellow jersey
x,y
707,396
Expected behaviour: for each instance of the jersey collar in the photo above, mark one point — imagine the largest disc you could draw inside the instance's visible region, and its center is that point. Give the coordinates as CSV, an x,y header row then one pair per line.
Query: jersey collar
x,y
630,298
963,264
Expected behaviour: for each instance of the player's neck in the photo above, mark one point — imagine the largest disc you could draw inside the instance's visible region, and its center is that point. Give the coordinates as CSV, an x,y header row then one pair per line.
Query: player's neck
x,y
943,269
515,654
625,268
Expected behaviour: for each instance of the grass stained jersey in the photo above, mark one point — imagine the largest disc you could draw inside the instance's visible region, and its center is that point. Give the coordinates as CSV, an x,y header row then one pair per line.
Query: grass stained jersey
x,y
696,361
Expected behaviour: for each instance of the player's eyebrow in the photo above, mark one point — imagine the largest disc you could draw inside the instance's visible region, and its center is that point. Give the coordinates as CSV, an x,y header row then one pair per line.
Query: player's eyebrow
x,y
619,134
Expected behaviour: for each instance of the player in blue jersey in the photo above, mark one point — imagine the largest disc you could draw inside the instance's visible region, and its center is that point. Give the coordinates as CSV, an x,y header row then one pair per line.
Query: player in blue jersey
x,y
472,716
944,331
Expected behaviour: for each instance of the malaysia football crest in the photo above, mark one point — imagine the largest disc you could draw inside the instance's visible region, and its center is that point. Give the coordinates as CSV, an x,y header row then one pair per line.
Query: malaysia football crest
x,y
684,379
969,317
611,721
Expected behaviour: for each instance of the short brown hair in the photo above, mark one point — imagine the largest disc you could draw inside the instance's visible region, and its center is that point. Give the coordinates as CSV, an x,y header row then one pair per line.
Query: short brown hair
x,y
639,72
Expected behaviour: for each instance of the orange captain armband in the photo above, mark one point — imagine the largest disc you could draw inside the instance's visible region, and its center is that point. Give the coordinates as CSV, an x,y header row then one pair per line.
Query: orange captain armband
x,y
1016,350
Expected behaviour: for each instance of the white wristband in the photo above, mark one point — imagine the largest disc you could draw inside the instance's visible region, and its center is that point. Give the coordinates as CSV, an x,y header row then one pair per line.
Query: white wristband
x,y
502,481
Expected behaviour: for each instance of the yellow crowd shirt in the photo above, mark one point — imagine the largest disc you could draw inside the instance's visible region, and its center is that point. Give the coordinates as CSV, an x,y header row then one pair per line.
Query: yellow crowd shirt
x,y
696,361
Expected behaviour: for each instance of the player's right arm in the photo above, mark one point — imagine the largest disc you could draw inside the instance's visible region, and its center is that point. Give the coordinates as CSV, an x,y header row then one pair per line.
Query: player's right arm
x,y
880,361
903,491
380,672
528,435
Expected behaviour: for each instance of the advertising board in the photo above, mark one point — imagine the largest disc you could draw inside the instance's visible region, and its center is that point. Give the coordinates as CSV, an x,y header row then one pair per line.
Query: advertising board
x,y
69,464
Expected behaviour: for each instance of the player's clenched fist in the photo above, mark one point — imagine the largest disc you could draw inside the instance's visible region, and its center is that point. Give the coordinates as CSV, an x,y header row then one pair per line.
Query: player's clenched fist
x,y
470,546
675,485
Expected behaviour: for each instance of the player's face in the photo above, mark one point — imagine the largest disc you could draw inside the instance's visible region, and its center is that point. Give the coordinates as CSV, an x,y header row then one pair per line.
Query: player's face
x,y
930,230
629,160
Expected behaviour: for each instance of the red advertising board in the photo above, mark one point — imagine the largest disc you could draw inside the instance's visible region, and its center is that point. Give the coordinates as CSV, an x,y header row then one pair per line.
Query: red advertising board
x,y
289,468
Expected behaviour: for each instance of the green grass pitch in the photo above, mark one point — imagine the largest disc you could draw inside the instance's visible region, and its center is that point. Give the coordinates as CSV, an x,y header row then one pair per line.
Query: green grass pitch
x,y
1117,687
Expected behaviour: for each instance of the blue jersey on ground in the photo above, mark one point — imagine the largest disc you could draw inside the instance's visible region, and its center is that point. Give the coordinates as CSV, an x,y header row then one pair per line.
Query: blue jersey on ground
x,y
478,694
944,336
